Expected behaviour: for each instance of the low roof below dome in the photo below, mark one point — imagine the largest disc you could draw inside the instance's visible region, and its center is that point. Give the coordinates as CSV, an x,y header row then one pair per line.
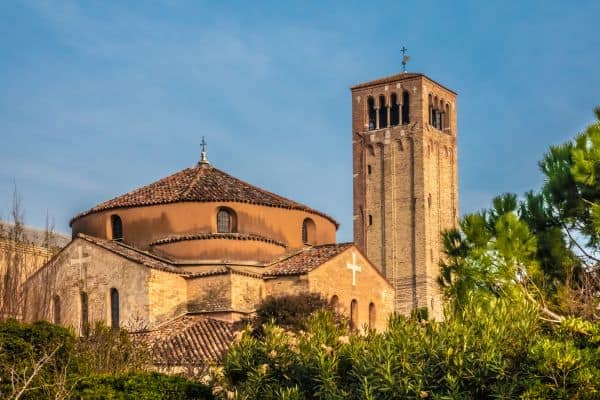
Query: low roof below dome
x,y
201,183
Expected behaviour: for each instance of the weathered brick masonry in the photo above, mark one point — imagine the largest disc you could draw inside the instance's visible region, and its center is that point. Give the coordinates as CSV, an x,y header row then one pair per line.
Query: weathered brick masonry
x,y
405,182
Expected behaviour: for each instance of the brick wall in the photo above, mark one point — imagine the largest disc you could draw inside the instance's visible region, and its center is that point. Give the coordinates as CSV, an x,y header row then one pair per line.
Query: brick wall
x,y
405,178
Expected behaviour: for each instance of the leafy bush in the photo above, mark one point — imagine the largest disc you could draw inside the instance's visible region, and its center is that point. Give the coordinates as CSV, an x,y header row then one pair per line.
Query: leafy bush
x,y
489,348
40,353
45,361
290,311
143,386
108,351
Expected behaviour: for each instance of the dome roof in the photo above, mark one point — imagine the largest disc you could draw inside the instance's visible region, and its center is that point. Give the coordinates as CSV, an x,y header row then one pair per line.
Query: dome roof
x,y
202,183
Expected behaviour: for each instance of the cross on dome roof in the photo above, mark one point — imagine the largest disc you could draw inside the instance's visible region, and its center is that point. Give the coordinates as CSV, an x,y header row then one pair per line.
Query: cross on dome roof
x,y
203,159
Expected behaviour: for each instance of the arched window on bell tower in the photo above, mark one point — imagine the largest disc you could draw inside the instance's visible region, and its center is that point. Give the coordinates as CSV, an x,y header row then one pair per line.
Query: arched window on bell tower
x,y
394,110
383,112
405,107
371,112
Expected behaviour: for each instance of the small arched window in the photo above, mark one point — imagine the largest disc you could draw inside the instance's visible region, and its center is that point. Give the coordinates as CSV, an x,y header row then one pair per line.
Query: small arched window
x,y
308,231
56,309
354,314
114,309
394,110
226,221
116,227
335,303
405,107
372,315
84,323
383,113
371,112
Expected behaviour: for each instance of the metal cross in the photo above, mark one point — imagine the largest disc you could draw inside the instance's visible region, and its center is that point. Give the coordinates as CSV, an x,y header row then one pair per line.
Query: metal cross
x,y
354,267
203,143
405,58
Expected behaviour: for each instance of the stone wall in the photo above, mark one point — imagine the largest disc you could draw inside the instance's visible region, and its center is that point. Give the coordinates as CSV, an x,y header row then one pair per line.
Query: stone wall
x,y
146,297
209,293
334,278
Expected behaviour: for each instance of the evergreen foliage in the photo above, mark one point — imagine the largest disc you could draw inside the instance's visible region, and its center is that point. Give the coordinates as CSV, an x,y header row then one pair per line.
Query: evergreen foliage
x,y
45,361
491,348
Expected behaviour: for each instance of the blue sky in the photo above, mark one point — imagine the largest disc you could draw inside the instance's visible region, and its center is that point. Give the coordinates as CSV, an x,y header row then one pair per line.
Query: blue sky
x,y
98,98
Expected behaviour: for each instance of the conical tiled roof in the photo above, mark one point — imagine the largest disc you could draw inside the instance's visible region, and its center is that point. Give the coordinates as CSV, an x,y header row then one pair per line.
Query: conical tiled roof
x,y
202,183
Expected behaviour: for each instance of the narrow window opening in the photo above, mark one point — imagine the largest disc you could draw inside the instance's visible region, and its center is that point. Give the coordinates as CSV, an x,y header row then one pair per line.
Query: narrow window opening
x,y
383,112
308,231
372,316
117,227
335,303
370,220
369,169
354,315
371,112
84,326
56,309
394,110
405,107
114,309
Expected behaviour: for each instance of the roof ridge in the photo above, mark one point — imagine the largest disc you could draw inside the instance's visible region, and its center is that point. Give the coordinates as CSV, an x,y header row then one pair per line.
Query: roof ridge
x,y
186,191
108,245
122,244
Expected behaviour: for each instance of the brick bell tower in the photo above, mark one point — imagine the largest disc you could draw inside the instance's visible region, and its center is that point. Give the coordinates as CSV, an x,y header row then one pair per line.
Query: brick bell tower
x,y
405,182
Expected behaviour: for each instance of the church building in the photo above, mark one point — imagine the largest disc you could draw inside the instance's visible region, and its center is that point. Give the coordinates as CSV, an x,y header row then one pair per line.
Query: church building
x,y
185,257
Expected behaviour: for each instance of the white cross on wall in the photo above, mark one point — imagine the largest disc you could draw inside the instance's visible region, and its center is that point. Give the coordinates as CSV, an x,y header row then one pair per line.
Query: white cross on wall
x,y
80,260
354,267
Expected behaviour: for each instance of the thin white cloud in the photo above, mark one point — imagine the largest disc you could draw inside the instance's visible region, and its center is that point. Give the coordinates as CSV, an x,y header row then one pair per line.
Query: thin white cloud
x,y
47,174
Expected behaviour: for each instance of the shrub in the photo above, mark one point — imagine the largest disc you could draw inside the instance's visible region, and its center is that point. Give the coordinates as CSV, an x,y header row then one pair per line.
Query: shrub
x,y
142,386
489,348
106,350
290,311
36,360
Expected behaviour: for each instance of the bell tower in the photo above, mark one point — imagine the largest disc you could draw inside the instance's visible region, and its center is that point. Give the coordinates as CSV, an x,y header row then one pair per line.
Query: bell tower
x,y
405,182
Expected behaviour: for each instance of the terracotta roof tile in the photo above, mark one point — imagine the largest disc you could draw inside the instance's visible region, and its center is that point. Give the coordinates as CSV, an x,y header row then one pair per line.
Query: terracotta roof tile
x,y
200,184
306,260
135,255
188,340
209,236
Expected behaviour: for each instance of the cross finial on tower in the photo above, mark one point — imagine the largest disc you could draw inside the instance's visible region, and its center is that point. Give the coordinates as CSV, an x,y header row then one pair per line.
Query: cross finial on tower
x,y
405,58
203,158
